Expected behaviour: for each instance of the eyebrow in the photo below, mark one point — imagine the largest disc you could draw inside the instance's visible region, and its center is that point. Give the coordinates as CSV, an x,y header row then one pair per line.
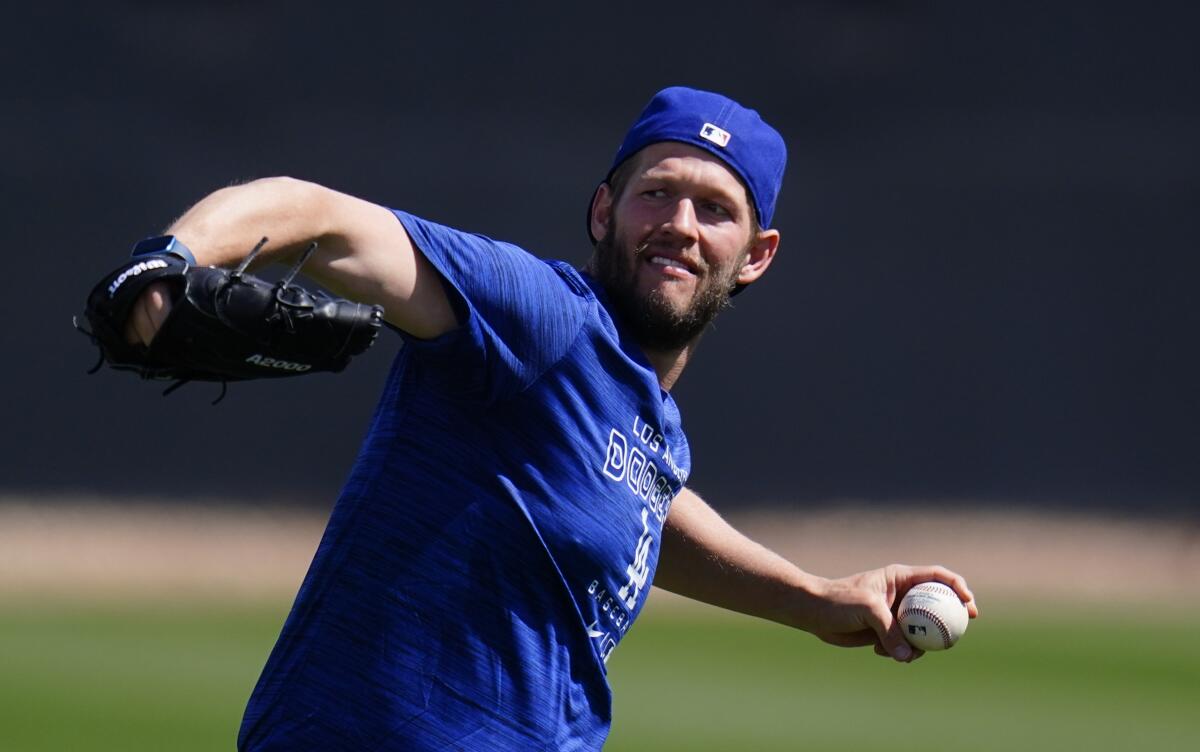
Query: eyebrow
x,y
717,192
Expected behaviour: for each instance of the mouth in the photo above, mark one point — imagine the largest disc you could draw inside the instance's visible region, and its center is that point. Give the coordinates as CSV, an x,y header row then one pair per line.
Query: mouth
x,y
668,265
671,267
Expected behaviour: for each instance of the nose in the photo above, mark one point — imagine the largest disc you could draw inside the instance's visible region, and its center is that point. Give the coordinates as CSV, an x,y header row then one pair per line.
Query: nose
x,y
683,219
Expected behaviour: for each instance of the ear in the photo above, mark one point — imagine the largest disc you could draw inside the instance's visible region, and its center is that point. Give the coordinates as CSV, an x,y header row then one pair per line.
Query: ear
x,y
761,253
601,211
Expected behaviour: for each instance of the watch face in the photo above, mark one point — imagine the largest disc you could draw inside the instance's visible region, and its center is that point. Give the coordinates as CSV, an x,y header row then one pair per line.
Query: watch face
x,y
164,244
160,244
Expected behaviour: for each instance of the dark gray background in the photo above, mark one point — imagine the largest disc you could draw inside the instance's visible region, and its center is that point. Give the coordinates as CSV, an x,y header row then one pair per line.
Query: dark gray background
x,y
985,288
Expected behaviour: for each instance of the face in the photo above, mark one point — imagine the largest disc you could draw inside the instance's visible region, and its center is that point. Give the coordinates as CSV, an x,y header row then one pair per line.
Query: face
x,y
674,242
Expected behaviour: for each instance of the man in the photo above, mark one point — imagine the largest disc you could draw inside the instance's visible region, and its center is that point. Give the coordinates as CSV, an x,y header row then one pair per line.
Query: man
x,y
523,477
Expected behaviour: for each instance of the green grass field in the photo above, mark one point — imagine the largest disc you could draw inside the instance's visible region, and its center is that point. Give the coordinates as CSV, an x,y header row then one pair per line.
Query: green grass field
x,y
156,676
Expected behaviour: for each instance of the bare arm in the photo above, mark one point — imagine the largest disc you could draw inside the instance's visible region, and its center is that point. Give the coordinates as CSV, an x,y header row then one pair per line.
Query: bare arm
x,y
705,558
363,251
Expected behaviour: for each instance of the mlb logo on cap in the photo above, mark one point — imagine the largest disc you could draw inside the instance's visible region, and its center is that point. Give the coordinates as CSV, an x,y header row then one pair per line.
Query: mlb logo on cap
x,y
718,136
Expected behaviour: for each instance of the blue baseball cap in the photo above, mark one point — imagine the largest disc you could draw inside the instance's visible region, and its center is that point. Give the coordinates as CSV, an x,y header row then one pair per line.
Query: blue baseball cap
x,y
736,135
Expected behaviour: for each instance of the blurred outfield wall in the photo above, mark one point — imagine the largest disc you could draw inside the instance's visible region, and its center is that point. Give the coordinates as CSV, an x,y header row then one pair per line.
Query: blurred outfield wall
x,y
985,289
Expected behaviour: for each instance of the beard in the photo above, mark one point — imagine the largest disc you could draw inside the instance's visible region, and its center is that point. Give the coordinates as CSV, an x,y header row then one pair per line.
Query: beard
x,y
651,319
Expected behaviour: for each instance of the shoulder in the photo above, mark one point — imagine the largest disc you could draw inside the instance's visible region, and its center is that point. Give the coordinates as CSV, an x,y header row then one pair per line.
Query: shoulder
x,y
490,272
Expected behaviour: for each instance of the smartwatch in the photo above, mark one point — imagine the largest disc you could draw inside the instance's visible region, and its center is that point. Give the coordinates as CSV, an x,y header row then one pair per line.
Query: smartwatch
x,y
164,244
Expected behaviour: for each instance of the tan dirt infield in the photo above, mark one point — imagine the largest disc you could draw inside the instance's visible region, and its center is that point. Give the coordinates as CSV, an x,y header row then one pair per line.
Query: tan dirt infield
x,y
104,549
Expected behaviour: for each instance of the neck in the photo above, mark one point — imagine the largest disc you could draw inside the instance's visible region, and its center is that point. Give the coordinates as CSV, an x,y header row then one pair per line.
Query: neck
x,y
669,364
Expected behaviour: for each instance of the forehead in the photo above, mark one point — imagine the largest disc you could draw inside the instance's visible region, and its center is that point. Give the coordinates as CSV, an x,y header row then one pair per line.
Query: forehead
x,y
679,161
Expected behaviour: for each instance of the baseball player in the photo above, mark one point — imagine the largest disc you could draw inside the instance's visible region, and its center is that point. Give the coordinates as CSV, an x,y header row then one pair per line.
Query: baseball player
x,y
523,480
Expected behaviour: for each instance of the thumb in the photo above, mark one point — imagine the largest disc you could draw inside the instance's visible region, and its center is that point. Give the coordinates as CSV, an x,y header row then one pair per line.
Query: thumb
x,y
891,636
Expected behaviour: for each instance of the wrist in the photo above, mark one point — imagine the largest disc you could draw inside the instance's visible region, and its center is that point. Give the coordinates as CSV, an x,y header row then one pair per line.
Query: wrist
x,y
806,597
164,244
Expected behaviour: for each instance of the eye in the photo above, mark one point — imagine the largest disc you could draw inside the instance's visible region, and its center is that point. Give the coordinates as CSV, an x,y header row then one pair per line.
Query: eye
x,y
716,209
654,193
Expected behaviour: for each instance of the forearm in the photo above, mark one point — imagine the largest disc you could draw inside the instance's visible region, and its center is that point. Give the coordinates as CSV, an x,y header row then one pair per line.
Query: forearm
x,y
222,227
363,252
705,558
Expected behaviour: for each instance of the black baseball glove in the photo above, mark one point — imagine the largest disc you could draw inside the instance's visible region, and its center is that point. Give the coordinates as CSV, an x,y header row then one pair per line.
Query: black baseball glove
x,y
226,325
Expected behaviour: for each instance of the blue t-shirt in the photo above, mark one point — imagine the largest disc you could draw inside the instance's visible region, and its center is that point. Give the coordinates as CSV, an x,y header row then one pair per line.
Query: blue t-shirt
x,y
498,533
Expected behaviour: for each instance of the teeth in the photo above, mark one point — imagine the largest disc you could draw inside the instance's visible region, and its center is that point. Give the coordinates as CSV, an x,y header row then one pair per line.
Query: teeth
x,y
668,262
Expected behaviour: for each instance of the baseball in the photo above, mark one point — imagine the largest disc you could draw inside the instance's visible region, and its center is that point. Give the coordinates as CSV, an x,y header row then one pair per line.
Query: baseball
x,y
932,616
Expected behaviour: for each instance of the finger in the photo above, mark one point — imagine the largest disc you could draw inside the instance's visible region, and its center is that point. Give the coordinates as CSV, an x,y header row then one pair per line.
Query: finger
x,y
158,305
149,312
881,651
887,630
131,330
141,322
957,582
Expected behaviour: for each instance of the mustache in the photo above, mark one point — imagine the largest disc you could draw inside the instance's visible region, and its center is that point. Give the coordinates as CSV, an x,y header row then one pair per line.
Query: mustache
x,y
639,249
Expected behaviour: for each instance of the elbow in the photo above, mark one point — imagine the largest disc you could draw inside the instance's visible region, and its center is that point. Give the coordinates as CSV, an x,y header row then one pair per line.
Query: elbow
x,y
279,188
281,182
279,185
300,203
287,187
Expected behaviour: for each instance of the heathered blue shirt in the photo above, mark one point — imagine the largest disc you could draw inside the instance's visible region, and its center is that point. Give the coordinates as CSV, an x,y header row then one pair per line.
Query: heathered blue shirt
x,y
498,533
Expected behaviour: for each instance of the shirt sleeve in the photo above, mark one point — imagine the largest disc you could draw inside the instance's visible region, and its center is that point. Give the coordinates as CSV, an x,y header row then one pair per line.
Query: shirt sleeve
x,y
518,314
